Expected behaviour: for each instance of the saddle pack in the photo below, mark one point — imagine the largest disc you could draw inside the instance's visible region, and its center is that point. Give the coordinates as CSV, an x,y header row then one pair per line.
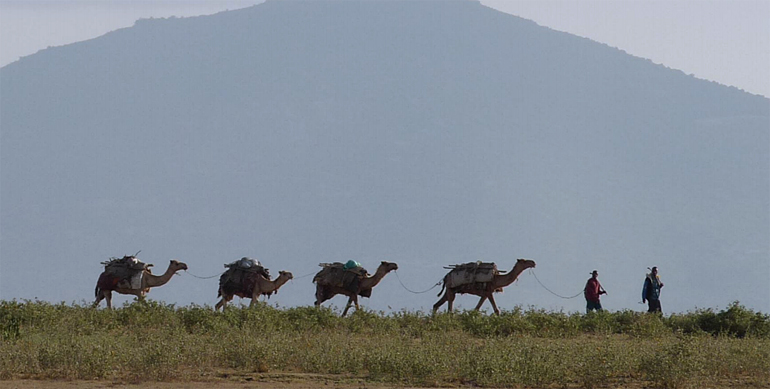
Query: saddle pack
x,y
343,275
127,270
470,273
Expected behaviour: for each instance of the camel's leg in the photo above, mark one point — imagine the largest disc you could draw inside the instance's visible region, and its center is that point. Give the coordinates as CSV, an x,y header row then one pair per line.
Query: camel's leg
x,y
440,302
223,302
353,300
255,296
254,301
99,298
345,312
347,307
481,302
450,298
494,305
319,296
108,297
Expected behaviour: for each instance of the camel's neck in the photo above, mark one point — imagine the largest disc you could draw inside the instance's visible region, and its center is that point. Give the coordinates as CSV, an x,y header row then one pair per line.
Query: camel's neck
x,y
371,282
274,285
154,281
507,279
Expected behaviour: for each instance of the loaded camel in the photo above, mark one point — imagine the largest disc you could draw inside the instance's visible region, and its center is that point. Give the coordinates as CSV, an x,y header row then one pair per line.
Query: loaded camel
x,y
325,291
484,290
109,283
254,284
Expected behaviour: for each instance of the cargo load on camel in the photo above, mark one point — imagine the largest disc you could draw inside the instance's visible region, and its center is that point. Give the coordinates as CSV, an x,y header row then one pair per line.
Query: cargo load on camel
x,y
128,270
343,275
470,273
240,276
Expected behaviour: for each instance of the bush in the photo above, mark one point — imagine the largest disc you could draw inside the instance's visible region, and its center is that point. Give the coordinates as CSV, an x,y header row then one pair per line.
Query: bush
x,y
736,320
518,348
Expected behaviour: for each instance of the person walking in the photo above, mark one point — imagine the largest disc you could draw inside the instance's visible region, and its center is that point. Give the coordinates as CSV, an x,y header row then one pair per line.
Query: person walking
x,y
651,290
592,292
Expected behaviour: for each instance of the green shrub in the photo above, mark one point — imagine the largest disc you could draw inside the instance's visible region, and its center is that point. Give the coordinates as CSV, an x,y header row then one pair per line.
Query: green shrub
x,y
675,365
738,321
148,340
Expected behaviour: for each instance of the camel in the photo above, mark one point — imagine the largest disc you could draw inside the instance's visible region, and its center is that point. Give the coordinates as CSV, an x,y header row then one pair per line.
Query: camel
x,y
325,292
108,283
484,290
256,284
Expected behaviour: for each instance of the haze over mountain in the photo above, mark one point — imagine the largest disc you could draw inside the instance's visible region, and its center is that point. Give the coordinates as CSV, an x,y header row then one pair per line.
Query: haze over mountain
x,y
424,133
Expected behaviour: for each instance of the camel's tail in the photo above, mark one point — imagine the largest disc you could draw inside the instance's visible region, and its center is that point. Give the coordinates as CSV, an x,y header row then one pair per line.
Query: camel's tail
x,y
443,286
97,290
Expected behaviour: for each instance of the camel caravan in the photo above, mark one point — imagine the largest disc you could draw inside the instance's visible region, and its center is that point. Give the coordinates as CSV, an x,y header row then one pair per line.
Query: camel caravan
x,y
247,278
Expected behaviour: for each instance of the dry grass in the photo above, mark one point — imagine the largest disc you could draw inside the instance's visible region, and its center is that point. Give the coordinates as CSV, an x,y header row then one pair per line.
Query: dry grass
x,y
153,342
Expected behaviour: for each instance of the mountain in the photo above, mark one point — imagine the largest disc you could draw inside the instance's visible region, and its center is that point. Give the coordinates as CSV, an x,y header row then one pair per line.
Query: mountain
x,y
424,133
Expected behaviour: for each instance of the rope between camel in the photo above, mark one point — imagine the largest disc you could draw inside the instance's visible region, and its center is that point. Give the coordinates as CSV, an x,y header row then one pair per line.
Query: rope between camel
x,y
306,275
412,291
204,278
552,292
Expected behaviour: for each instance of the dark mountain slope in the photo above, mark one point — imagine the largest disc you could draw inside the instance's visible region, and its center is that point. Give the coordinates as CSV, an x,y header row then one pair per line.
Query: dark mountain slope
x,y
420,132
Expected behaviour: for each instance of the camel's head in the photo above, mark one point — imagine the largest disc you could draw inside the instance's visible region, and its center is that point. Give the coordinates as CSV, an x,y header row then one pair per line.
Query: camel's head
x,y
524,263
389,266
176,265
285,274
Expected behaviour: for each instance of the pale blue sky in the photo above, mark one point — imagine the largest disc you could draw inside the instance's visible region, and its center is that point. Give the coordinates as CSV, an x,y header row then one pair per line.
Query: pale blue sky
x,y
727,41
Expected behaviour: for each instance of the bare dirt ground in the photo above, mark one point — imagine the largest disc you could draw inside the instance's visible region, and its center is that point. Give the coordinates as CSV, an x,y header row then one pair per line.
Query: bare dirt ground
x,y
291,381
225,381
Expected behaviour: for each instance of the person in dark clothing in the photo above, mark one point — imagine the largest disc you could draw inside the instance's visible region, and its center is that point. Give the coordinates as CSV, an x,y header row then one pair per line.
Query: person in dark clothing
x,y
592,292
651,290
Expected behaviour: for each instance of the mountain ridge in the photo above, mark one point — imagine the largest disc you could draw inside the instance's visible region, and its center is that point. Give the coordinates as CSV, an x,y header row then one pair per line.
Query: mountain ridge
x,y
405,131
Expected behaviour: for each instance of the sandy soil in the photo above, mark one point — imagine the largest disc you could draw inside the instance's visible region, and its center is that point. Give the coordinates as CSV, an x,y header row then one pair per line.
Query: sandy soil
x,y
286,381
226,381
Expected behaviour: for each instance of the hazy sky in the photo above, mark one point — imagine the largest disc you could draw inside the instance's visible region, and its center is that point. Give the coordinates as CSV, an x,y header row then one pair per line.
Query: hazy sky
x,y
727,41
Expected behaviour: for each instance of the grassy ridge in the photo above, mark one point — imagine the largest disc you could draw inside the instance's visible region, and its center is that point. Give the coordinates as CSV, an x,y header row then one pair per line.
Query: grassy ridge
x,y
154,341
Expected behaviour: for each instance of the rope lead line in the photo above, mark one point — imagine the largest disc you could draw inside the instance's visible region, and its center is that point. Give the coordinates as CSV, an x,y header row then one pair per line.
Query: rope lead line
x,y
552,292
217,275
412,291
204,278
306,275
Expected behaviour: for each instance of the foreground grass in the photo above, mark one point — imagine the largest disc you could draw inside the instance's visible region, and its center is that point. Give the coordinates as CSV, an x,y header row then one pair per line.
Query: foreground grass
x,y
153,341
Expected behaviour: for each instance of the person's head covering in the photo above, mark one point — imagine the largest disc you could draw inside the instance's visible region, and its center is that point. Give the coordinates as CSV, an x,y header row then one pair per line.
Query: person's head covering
x,y
594,273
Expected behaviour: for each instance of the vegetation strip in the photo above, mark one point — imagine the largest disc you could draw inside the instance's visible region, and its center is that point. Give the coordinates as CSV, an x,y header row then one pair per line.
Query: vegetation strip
x,y
152,341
